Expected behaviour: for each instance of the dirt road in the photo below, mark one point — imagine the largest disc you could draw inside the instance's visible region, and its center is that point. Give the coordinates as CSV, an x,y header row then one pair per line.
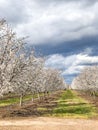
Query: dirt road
x,y
43,123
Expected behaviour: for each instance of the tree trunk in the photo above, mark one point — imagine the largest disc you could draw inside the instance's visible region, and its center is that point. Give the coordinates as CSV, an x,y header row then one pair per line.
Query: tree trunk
x,y
48,93
33,98
38,96
44,95
21,99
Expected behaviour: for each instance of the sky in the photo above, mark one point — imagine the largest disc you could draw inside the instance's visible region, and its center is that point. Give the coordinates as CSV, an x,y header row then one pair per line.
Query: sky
x,y
63,31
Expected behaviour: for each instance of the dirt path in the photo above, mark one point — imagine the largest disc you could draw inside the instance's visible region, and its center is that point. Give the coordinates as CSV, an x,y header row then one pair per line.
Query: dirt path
x,y
43,123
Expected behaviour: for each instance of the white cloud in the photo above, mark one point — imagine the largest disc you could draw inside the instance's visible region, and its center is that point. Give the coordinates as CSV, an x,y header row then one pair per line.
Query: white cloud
x,y
72,64
51,21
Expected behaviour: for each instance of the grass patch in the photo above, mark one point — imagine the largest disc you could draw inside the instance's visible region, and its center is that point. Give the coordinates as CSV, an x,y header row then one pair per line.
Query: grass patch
x,y
9,101
14,100
70,105
68,95
41,109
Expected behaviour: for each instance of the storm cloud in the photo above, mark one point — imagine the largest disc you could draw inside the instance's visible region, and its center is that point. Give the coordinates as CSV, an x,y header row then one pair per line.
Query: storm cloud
x,y
51,21
65,31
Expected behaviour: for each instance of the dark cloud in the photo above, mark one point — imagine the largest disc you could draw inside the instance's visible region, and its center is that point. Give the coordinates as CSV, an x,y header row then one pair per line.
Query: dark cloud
x,y
63,29
69,48
51,21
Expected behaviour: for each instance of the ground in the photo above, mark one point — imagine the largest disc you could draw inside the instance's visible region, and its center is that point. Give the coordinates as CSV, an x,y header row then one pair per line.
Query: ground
x,y
67,110
60,104
44,123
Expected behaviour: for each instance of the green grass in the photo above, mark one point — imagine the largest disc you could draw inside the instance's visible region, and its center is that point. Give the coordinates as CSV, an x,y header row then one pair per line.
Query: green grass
x,y
14,100
9,101
70,105
68,95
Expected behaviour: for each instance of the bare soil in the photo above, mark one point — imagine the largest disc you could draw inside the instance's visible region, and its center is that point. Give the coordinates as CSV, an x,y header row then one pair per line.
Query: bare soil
x,y
46,123
91,99
29,108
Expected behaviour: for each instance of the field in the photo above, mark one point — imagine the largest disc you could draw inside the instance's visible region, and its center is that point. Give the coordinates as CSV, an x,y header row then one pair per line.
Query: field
x,y
66,110
66,104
